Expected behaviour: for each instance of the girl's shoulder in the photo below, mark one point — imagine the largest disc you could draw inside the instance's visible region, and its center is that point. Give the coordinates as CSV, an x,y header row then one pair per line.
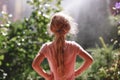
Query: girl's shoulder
x,y
44,47
47,44
72,43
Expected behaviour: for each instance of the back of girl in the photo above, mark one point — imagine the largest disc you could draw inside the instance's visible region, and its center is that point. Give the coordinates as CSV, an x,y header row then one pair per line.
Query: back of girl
x,y
61,54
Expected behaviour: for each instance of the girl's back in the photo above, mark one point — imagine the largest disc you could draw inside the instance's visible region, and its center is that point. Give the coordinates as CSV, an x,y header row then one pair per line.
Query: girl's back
x,y
70,53
61,54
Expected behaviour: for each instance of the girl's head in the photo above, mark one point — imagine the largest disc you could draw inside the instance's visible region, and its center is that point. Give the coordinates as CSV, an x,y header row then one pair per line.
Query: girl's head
x,y
60,24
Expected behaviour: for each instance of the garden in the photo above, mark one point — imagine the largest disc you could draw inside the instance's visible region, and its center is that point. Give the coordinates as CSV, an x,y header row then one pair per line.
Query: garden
x,y
21,40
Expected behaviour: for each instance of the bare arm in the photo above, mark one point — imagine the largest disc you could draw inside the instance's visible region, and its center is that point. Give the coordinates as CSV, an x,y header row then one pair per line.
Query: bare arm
x,y
87,61
36,66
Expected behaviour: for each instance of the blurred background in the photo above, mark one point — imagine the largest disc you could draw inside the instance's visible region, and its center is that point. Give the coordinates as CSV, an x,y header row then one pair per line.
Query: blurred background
x,y
23,29
92,17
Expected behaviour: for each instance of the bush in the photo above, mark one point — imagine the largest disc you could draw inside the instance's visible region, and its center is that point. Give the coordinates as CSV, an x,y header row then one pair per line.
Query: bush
x,y
21,40
106,64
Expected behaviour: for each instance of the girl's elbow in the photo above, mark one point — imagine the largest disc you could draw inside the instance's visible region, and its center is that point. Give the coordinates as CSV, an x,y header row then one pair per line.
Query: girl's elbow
x,y
34,65
91,60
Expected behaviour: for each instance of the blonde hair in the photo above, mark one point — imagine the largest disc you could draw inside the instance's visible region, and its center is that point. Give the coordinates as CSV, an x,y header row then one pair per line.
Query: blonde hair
x,y
60,25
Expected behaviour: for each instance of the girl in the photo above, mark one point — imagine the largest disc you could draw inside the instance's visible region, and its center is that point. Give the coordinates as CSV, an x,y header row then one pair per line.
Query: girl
x,y
61,54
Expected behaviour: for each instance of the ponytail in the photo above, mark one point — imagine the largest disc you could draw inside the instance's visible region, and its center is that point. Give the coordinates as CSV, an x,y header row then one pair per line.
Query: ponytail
x,y
60,44
60,26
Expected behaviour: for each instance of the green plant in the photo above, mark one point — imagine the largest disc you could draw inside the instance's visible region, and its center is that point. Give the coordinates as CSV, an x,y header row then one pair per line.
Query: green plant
x,y
23,40
113,71
105,62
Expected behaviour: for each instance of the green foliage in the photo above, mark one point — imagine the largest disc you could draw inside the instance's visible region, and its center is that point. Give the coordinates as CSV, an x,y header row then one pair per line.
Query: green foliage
x,y
115,21
112,72
20,41
106,64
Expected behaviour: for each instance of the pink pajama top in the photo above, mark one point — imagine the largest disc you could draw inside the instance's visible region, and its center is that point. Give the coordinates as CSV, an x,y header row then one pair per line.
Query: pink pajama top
x,y
71,51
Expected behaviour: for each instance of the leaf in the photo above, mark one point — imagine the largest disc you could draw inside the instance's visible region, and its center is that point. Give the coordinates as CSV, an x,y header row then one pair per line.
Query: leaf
x,y
1,57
